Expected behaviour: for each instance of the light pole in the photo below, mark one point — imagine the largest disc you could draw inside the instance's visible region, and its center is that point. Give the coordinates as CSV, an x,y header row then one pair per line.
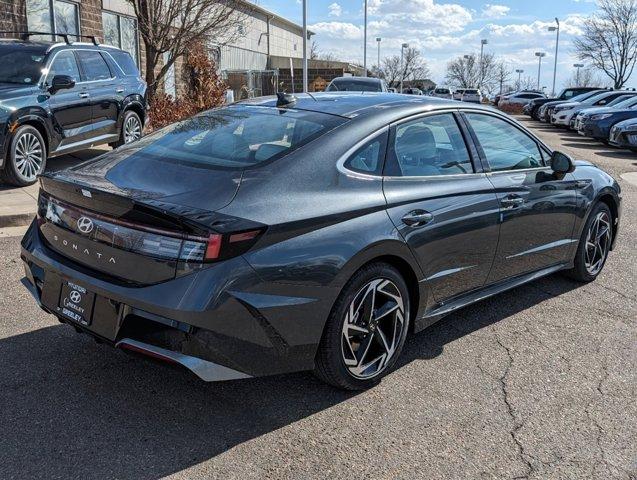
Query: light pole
x,y
483,42
557,46
578,66
378,40
402,60
365,42
540,55
519,72
305,46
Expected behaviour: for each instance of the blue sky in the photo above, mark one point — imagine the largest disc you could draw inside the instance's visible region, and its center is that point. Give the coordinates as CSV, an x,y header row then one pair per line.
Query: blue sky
x,y
444,29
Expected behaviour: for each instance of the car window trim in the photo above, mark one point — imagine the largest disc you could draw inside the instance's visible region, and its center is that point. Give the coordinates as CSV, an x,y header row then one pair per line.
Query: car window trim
x,y
542,147
43,77
477,167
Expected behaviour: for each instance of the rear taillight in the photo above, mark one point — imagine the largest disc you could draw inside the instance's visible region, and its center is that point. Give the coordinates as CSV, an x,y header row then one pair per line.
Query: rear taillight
x,y
227,245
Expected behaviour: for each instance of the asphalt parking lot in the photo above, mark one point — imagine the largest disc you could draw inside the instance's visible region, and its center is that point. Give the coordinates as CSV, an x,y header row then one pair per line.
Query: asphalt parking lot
x,y
539,382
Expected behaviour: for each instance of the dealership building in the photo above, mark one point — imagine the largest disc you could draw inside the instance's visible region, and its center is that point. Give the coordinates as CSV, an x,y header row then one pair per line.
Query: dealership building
x,y
257,62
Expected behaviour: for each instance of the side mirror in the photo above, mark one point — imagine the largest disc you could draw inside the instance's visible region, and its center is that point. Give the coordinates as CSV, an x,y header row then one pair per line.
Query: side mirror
x,y
62,82
561,163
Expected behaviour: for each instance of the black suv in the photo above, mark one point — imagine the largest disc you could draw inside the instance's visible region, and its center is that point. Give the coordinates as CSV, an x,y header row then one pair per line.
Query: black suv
x,y
57,98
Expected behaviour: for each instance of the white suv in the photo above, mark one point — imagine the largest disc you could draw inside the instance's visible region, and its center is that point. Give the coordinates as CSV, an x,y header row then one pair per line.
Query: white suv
x,y
442,93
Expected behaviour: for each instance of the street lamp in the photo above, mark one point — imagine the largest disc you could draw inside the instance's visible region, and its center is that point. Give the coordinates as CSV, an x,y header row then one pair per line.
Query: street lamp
x,y
365,42
557,46
305,83
578,66
540,55
483,42
519,72
402,59
378,40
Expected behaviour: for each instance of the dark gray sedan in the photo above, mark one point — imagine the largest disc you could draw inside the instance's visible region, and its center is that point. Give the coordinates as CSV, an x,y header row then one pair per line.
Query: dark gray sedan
x,y
312,233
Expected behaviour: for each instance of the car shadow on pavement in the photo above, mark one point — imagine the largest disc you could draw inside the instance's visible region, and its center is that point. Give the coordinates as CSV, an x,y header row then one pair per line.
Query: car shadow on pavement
x,y
75,409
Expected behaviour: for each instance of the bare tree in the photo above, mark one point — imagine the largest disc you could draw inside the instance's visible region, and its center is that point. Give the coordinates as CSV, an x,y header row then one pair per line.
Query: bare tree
x,y
314,50
502,75
609,41
172,26
412,67
466,72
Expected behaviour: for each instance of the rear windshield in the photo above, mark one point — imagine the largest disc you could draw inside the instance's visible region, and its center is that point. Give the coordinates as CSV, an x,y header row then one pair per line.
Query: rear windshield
x,y
471,92
21,65
353,86
441,90
235,137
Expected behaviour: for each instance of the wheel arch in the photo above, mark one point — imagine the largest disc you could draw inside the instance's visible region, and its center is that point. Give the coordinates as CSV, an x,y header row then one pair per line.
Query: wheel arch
x,y
609,198
33,119
135,105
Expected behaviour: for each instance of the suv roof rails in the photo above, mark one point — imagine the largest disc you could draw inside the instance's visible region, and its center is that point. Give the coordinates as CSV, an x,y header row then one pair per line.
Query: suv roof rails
x,y
25,35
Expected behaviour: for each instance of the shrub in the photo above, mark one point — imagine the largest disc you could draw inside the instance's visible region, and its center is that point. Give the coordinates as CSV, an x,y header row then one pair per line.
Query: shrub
x,y
512,109
205,91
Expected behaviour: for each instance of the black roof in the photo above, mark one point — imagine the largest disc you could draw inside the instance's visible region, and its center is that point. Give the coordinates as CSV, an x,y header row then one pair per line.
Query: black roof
x,y
353,104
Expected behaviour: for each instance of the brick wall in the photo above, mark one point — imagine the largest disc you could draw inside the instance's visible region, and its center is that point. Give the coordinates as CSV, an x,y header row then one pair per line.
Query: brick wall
x,y
13,15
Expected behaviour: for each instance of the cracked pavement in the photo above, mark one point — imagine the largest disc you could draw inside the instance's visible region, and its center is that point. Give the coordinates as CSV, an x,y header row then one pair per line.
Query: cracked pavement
x,y
539,382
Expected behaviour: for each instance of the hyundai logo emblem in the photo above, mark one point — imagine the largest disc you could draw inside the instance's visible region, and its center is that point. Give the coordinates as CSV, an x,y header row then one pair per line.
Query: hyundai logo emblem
x,y
75,296
85,225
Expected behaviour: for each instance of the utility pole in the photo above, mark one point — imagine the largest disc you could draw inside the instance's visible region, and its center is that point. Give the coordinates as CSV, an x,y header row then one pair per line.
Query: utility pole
x,y
519,72
365,43
578,66
557,46
378,40
305,83
402,60
540,55
483,42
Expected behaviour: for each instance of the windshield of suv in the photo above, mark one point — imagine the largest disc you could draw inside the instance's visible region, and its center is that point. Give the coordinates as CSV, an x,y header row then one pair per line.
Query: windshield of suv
x,y
619,101
234,137
20,64
354,86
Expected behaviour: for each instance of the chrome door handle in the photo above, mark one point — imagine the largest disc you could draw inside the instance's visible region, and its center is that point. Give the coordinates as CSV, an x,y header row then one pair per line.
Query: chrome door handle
x,y
512,201
119,90
417,217
83,95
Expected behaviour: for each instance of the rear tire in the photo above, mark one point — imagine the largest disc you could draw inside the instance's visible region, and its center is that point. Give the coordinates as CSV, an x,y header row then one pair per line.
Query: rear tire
x,y
366,329
132,129
594,245
26,157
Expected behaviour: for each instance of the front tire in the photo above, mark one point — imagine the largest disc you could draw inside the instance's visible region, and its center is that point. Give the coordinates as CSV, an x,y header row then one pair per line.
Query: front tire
x,y
594,245
366,329
26,157
132,129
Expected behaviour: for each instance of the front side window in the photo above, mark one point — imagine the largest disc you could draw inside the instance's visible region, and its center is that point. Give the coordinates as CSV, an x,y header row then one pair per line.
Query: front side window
x,y
64,64
93,65
429,146
121,32
505,146
233,138
52,16
20,64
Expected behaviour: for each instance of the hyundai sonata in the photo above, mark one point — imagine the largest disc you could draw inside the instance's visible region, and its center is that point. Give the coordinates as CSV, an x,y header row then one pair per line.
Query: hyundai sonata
x,y
314,233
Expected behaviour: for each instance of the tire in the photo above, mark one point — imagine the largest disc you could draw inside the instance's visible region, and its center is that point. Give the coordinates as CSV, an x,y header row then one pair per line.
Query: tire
x,y
126,136
592,251
369,351
26,157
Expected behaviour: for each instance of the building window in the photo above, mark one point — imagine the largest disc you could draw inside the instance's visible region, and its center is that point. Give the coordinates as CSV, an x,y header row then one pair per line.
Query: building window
x,y
169,78
53,16
121,31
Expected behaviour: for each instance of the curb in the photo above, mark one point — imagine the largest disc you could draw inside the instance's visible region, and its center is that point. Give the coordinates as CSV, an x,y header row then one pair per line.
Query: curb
x,y
16,220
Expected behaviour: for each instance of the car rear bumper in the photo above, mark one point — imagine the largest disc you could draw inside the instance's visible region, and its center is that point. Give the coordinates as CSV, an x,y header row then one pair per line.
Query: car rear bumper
x,y
221,322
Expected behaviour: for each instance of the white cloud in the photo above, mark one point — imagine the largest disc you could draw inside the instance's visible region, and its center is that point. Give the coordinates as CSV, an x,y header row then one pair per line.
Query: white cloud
x,y
495,11
335,10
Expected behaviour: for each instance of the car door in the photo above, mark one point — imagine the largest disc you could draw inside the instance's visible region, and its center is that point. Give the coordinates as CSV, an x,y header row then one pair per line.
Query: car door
x,y
441,202
537,208
102,83
70,108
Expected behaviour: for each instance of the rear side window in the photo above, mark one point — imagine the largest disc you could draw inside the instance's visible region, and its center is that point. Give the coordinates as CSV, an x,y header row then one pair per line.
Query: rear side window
x,y
368,158
125,62
94,67
505,146
429,146
234,137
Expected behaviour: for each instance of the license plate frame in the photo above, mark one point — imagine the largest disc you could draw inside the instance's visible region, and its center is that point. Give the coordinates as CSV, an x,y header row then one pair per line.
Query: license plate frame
x,y
76,303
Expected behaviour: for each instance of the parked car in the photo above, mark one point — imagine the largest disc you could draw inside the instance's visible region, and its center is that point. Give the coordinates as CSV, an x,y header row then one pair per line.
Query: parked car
x,y
259,275
567,94
520,98
471,95
624,135
564,114
546,110
457,94
357,84
57,98
412,91
598,125
442,92
623,101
